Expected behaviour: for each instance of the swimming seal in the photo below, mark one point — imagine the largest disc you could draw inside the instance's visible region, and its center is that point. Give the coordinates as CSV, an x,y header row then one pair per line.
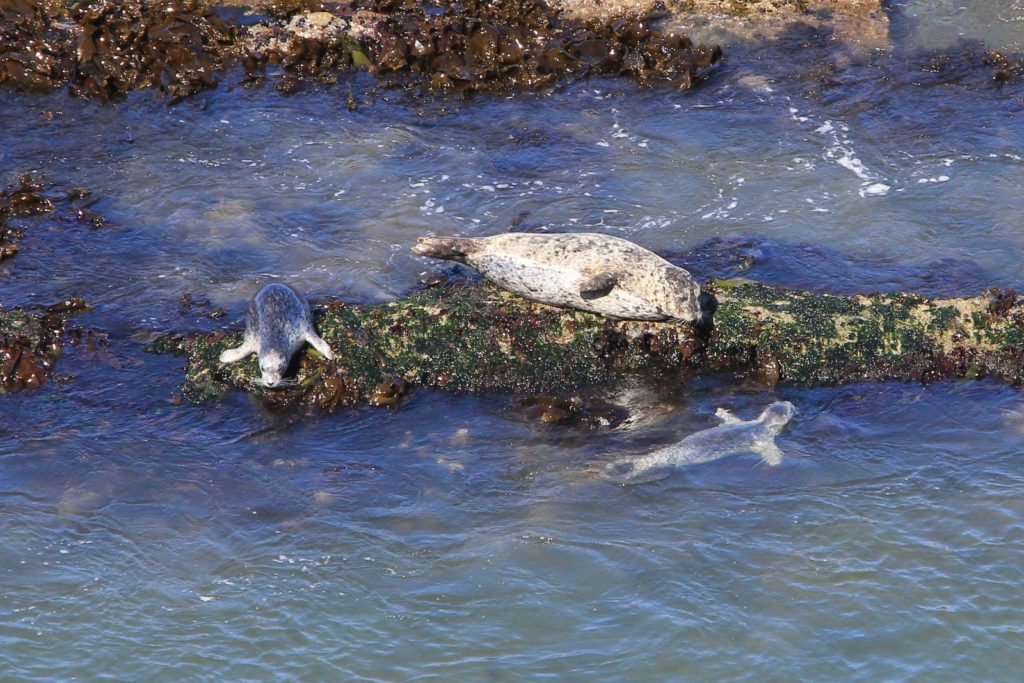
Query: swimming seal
x,y
277,324
732,436
599,273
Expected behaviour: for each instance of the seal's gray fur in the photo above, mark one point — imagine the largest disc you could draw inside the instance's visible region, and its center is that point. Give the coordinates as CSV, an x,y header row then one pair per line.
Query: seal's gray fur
x,y
278,322
732,436
591,272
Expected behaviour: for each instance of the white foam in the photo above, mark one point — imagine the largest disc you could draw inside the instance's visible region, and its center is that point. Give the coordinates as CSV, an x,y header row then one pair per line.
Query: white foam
x,y
874,190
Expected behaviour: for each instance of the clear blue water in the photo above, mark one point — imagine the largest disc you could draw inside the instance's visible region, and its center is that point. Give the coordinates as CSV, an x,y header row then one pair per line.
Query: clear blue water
x,y
141,540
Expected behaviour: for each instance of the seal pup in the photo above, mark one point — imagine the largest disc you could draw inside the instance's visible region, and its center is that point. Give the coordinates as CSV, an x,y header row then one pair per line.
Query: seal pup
x,y
598,273
732,436
277,324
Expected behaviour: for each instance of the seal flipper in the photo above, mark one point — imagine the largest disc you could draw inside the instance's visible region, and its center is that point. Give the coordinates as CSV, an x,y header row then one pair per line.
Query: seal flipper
x,y
596,285
726,417
705,322
317,342
770,453
238,353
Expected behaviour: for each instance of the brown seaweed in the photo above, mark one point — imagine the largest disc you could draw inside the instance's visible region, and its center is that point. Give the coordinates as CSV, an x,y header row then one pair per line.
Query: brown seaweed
x,y
173,46
31,197
33,48
106,49
31,342
481,45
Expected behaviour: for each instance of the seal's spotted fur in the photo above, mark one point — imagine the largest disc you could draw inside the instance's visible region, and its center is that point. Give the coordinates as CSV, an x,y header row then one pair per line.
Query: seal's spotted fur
x,y
278,323
591,272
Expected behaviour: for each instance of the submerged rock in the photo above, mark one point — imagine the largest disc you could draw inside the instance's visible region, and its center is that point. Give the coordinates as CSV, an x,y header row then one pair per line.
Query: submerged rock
x,y
31,197
18,201
588,412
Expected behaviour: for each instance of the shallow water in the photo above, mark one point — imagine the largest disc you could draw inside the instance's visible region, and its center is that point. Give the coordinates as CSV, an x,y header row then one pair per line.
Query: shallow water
x,y
453,538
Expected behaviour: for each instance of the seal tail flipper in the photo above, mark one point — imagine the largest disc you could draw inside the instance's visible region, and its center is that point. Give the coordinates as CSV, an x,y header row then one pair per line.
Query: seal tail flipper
x,y
706,321
448,248
596,285
236,354
317,342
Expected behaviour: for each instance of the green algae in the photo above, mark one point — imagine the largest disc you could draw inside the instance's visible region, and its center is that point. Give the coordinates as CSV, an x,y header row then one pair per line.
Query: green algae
x,y
820,339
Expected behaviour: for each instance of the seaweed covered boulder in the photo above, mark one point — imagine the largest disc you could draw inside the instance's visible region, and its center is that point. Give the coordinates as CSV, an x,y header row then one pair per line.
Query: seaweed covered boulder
x,y
464,338
475,338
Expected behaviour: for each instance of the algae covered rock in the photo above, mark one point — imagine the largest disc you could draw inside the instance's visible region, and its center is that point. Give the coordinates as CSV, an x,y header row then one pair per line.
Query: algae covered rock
x,y
477,338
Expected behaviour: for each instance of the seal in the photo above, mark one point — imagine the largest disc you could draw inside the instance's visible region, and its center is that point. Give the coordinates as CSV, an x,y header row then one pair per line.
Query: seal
x,y
592,272
277,324
732,436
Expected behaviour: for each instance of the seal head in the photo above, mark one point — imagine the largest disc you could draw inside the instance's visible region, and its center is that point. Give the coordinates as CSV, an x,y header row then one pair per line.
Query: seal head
x,y
777,415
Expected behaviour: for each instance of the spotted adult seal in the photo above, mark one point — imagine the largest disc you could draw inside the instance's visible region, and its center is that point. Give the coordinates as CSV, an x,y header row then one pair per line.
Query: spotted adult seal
x,y
592,272
732,436
278,322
